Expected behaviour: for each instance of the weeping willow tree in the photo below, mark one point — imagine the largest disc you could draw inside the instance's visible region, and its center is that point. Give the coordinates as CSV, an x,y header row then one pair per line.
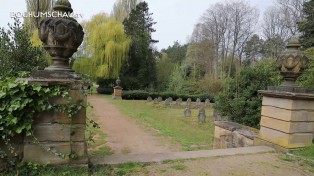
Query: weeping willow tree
x,y
85,66
109,46
122,9
36,42
36,7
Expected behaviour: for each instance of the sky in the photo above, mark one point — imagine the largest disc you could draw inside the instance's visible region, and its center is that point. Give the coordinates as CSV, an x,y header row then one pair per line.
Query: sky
x,y
175,18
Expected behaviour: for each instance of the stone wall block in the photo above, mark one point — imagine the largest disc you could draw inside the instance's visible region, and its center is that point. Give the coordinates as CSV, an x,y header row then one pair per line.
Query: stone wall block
x,y
294,140
288,115
58,117
290,104
36,154
58,132
76,96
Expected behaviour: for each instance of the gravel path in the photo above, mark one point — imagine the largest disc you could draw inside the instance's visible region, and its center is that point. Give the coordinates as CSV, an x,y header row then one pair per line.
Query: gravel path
x,y
125,136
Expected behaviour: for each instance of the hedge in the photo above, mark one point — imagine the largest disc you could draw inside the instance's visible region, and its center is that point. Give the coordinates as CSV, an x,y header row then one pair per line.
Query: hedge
x,y
142,95
107,91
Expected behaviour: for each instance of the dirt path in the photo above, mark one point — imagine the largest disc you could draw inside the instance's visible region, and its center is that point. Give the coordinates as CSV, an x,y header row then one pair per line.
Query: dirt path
x,y
124,135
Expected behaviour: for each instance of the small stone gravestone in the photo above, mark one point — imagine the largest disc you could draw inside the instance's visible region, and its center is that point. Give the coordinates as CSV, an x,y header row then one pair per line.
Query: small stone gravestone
x,y
156,101
198,102
170,99
188,102
201,115
159,99
187,112
207,102
178,102
167,102
149,99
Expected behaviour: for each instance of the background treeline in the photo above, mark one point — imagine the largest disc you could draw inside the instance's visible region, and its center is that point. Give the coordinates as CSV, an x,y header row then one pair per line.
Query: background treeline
x,y
229,55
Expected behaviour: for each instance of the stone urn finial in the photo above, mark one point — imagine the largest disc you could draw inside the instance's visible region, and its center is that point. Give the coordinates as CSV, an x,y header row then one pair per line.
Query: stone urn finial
x,y
61,35
118,81
292,62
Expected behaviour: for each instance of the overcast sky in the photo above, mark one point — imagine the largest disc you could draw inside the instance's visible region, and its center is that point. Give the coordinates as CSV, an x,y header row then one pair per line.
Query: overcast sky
x,y
175,18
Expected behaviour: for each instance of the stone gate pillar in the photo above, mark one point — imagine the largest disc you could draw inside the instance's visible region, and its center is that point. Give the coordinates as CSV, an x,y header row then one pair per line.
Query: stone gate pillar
x,y
57,135
287,120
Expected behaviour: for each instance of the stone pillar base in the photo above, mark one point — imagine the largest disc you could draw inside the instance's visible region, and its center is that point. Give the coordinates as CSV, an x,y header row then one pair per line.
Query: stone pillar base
x,y
56,134
287,120
117,93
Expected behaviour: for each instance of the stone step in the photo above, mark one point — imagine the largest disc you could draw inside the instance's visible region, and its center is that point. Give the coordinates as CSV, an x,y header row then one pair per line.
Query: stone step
x,y
159,157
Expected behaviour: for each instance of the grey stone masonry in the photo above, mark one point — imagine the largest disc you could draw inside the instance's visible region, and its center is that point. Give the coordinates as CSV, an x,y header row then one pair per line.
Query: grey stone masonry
x,y
201,115
187,112
56,133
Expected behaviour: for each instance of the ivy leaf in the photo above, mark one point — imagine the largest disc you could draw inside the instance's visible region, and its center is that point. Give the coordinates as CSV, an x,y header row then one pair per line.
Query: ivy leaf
x,y
12,85
2,94
14,120
37,88
19,130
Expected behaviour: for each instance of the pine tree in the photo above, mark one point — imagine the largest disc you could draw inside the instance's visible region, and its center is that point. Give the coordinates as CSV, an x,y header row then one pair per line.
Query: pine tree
x,y
139,72
307,26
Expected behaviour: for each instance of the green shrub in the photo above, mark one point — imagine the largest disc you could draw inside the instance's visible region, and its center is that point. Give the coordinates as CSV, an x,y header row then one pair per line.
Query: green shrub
x,y
240,100
142,95
307,79
17,53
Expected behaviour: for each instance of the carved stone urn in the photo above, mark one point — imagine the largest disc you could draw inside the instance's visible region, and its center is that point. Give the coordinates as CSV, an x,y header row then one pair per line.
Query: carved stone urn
x,y
292,62
61,35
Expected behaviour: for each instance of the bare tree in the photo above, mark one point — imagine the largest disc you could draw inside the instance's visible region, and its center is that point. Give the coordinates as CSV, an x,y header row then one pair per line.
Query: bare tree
x,y
243,20
293,13
229,25
37,6
274,24
200,54
122,8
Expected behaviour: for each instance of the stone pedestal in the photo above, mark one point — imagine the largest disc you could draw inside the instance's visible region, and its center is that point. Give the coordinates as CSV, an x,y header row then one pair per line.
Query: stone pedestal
x,y
117,92
233,135
287,120
56,133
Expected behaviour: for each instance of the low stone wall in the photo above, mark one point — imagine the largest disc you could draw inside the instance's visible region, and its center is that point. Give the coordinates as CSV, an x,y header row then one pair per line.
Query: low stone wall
x,y
233,135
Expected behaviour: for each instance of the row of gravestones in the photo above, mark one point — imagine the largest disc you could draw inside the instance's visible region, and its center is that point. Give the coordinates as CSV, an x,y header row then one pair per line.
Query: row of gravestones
x,y
179,101
201,114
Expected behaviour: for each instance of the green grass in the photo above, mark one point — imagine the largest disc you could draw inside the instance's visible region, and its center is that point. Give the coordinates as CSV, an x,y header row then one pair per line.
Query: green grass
x,y
307,152
40,170
98,138
170,122
179,167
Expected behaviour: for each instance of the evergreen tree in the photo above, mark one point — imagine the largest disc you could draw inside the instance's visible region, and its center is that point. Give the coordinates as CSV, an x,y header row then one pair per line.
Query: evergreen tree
x,y
139,71
307,26
17,54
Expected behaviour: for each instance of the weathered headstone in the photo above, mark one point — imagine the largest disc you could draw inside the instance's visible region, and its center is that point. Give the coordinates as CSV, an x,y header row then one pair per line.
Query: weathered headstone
x,y
178,102
167,102
207,102
188,102
201,115
170,100
159,99
156,101
149,99
187,112
198,102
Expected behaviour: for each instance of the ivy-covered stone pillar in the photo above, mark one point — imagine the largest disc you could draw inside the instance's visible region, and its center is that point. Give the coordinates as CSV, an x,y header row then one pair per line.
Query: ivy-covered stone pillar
x,y
287,120
59,134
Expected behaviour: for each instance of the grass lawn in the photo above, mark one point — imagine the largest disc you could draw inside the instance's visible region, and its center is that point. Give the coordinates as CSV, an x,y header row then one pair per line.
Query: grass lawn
x,y
307,152
171,122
